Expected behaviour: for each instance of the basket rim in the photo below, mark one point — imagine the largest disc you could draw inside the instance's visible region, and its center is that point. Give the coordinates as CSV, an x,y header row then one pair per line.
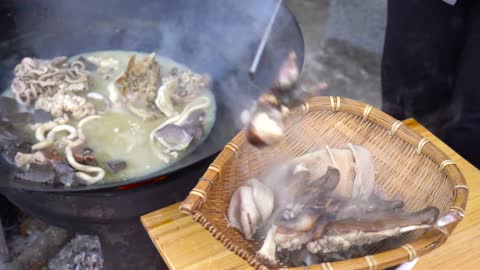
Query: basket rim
x,y
194,202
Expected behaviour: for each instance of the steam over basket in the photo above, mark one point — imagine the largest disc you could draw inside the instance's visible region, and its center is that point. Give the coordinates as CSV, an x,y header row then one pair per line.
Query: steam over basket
x,y
405,162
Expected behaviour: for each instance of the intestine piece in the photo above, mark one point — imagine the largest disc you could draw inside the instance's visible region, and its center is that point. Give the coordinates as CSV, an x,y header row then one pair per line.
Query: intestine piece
x,y
41,77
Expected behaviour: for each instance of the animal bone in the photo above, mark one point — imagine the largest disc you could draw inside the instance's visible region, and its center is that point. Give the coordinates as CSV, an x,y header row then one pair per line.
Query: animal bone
x,y
23,160
139,84
190,86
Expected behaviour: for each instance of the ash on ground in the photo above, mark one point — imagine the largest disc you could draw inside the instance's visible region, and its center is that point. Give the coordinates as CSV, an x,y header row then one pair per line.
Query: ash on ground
x,y
82,252
34,245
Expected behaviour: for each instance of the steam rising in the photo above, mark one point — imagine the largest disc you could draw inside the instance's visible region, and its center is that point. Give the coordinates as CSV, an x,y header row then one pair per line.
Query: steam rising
x,y
327,207
218,38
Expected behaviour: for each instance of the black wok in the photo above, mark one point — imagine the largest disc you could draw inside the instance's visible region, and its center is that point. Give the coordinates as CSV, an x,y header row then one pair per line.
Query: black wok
x,y
217,37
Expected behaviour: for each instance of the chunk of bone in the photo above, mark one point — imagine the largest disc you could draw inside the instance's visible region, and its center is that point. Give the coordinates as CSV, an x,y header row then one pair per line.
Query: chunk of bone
x,y
25,159
139,84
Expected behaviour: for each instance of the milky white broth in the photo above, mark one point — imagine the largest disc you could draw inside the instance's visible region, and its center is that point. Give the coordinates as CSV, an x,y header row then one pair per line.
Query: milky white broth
x,y
120,135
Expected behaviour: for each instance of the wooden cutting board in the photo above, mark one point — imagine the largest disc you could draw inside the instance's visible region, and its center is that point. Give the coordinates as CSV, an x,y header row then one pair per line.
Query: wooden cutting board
x,y
184,244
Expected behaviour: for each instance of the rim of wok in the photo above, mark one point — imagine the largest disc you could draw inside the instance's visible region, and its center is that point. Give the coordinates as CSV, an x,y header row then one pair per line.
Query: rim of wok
x,y
175,169
429,241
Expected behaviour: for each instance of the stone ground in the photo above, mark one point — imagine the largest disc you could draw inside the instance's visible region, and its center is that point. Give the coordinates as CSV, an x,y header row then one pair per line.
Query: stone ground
x,y
350,64
343,42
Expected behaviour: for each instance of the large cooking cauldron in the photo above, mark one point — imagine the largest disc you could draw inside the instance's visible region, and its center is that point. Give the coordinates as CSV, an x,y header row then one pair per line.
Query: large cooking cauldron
x,y
218,37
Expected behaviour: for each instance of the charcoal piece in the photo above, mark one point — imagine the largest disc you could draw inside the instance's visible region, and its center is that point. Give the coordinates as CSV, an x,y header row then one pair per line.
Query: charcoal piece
x,y
82,252
37,173
44,247
65,174
41,116
115,166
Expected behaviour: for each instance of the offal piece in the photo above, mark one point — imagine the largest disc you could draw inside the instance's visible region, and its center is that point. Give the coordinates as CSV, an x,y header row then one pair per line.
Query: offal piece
x,y
173,137
250,207
265,126
315,226
89,174
63,94
37,77
179,89
174,134
354,163
62,103
303,218
139,84
85,156
341,235
324,202
164,101
190,86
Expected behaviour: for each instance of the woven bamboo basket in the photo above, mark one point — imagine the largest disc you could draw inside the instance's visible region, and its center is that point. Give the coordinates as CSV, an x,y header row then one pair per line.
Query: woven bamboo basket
x,y
405,162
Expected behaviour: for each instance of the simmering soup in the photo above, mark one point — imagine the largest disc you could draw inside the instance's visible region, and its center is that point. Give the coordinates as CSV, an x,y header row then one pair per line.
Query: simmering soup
x,y
104,116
